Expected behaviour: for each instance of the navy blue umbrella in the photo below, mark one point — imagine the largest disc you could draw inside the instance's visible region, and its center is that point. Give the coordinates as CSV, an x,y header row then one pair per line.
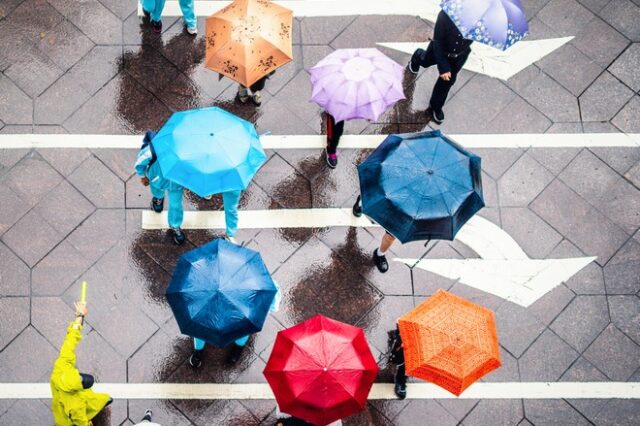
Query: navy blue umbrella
x,y
421,186
220,292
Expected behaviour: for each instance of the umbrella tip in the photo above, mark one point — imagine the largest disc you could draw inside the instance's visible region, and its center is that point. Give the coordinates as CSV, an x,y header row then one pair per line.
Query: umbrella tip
x,y
324,369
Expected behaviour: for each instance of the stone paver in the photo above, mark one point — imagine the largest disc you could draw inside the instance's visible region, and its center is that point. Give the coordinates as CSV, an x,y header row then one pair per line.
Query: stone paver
x,y
614,354
626,65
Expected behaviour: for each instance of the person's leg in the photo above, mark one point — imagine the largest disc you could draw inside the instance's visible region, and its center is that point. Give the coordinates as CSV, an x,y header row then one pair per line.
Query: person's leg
x,y
176,214
442,87
357,207
189,15
236,349
379,257
230,201
150,6
243,94
334,132
196,357
259,85
155,9
157,198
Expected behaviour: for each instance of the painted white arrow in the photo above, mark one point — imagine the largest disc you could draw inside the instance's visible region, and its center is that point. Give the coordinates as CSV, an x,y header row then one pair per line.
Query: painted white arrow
x,y
483,59
504,269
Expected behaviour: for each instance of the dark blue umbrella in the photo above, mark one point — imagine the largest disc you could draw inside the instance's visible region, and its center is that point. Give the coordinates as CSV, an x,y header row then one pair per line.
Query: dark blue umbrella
x,y
220,292
421,186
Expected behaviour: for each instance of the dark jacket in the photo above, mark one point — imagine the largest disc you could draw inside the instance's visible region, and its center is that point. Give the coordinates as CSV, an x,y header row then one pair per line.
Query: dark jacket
x,y
447,39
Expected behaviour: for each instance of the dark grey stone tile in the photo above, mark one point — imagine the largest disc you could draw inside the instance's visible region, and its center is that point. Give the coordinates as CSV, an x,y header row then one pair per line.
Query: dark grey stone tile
x,y
12,208
19,362
554,159
569,127
508,371
14,313
590,280
32,178
535,237
94,354
98,233
119,161
416,411
627,119
622,273
275,116
93,19
625,315
96,68
627,65
58,270
605,189
120,8
571,68
604,98
16,107
503,412
149,67
65,160
15,276
65,45
583,371
163,411
582,321
551,99
497,161
600,42
623,15
519,117
547,359
51,317
296,94
547,308
550,411
322,31
570,215
64,208
31,238
633,174
98,184
567,17
95,117
517,329
49,109
458,408
614,354
594,5
33,72
312,54
522,183
28,411
599,127
619,412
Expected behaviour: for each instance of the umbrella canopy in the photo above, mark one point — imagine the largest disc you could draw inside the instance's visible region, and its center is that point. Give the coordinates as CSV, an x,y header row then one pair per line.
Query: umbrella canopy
x,y
497,23
249,39
321,370
421,186
208,150
449,341
356,83
220,292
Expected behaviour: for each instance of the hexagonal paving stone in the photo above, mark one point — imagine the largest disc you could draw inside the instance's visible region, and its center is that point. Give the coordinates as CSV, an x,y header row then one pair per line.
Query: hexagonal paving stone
x,y
31,238
98,233
32,178
604,98
627,65
14,316
51,317
17,107
535,237
28,411
98,184
625,315
614,354
14,275
522,182
517,329
416,412
623,15
49,110
58,270
545,411
622,273
582,321
503,412
64,208
627,119
546,359
21,362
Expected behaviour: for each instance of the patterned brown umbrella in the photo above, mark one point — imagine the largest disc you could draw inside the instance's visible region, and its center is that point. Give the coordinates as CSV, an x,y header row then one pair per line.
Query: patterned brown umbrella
x,y
249,39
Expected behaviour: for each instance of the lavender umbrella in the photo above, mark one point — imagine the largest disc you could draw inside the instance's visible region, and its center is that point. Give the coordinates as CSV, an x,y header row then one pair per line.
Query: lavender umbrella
x,y
497,23
356,83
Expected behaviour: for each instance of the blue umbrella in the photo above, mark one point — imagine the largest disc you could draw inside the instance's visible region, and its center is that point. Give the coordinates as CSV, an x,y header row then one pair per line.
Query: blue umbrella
x,y
421,186
497,23
208,150
220,292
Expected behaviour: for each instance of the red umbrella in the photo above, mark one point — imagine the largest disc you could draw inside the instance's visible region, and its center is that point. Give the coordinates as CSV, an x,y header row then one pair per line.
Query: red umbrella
x,y
321,370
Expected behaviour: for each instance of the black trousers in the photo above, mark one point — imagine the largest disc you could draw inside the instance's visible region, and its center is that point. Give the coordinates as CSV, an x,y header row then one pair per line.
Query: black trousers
x,y
259,85
334,133
426,58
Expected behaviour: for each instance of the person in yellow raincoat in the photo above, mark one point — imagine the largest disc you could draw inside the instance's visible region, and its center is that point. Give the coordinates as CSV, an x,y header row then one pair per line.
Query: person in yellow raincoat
x,y
73,403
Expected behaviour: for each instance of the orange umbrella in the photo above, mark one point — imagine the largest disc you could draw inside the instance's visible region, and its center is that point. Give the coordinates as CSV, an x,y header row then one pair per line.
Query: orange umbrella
x,y
449,341
248,39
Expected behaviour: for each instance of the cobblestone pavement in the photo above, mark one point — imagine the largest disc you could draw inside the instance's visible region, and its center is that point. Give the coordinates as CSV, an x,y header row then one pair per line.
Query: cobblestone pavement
x,y
66,215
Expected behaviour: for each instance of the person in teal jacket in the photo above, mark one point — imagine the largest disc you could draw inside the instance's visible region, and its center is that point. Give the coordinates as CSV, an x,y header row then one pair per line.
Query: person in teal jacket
x,y
152,10
148,167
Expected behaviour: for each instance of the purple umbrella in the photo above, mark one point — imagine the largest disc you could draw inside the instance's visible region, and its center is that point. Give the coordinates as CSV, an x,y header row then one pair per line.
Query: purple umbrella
x,y
497,23
356,83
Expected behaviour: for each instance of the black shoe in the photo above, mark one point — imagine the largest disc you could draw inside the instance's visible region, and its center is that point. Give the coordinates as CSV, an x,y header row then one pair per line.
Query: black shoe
x,y
357,208
109,402
380,261
412,67
400,389
156,26
178,236
157,204
147,15
437,116
147,415
332,159
195,360
234,353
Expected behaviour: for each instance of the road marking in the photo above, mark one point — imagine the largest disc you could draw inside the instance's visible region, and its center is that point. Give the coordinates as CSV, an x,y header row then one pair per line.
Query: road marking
x,y
471,141
493,62
262,391
503,270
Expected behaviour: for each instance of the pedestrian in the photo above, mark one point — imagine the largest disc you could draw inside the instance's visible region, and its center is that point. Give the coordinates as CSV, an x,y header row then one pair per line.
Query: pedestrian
x,y
254,91
146,420
334,133
449,51
73,402
236,347
148,167
379,254
230,203
152,10
396,357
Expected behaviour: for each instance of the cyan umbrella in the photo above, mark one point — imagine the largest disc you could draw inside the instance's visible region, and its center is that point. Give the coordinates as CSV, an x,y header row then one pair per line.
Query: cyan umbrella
x,y
220,292
497,23
421,186
208,150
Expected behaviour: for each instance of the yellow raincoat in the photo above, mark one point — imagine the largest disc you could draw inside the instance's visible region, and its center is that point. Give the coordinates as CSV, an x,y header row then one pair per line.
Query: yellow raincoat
x,y
71,405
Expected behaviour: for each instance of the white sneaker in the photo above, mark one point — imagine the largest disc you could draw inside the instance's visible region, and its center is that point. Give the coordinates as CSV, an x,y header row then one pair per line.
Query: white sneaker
x,y
243,94
257,98
192,31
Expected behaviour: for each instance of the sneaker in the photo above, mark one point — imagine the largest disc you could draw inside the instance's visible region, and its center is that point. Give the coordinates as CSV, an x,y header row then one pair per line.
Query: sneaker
x,y
380,261
437,116
147,415
146,14
192,30
234,354
332,159
243,94
208,197
157,204
357,208
257,98
412,67
400,389
156,26
195,359
178,236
